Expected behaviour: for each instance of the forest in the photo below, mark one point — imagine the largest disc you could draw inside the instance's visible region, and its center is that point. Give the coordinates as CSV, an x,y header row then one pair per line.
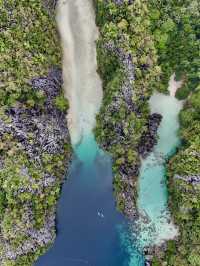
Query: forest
x,y
161,37
175,26
34,145
128,66
141,44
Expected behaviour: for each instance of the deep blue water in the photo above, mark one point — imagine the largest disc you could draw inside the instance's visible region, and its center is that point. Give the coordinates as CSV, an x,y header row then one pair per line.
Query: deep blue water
x,y
90,231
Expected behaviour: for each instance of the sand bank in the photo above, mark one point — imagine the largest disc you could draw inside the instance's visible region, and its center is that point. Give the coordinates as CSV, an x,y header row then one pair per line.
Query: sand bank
x,y
82,84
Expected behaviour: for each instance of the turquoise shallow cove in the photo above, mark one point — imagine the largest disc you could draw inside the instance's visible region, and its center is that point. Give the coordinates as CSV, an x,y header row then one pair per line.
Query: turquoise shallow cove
x,y
90,230
155,222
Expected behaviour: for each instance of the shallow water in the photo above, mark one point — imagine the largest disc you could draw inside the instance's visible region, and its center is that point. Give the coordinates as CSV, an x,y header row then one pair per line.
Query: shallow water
x,y
152,198
90,230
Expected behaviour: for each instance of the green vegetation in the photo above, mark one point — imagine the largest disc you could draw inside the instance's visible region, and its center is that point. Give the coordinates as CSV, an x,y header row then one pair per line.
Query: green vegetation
x,y
128,27
29,48
61,103
27,203
175,26
163,38
185,196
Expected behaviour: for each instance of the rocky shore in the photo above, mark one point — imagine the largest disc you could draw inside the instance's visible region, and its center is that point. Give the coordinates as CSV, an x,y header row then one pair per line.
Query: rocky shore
x,y
121,129
38,131
190,179
123,97
125,128
35,149
149,138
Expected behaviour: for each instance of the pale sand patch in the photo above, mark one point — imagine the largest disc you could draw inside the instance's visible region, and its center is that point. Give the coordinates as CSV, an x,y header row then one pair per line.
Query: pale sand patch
x,y
174,85
82,85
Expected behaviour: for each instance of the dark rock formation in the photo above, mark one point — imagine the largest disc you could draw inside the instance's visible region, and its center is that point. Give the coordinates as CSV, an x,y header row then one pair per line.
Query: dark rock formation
x,y
149,138
47,126
50,5
124,99
148,263
126,91
39,130
121,2
191,179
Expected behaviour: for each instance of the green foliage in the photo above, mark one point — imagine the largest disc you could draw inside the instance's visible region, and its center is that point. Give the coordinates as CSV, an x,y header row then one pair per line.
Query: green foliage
x,y
164,34
183,92
19,190
174,26
191,111
186,116
29,47
127,26
184,196
155,262
176,35
61,103
118,187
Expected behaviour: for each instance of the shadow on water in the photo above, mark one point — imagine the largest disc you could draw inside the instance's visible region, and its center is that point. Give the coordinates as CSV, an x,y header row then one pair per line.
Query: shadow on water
x,y
90,231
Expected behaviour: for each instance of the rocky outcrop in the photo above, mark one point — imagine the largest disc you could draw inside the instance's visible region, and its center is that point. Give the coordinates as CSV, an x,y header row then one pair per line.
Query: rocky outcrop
x,y
121,131
35,237
149,138
120,2
123,98
191,179
38,130
50,5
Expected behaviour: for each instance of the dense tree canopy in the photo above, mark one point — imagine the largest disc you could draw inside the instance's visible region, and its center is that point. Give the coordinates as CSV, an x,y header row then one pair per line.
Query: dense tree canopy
x,y
32,163
162,38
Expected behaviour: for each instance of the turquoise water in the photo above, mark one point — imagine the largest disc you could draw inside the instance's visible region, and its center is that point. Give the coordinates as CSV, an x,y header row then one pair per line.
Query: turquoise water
x,y
90,231
155,222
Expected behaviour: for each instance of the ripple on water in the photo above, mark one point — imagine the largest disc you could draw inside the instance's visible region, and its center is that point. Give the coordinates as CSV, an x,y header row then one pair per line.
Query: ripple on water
x,y
155,223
